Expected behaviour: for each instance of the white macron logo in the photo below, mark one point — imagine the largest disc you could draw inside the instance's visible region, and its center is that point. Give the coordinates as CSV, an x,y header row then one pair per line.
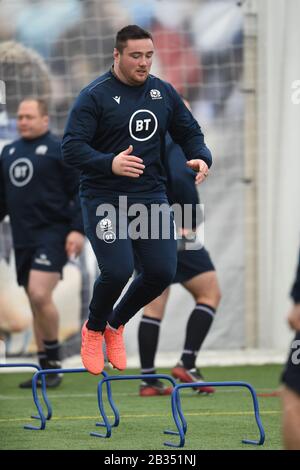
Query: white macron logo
x,y
117,99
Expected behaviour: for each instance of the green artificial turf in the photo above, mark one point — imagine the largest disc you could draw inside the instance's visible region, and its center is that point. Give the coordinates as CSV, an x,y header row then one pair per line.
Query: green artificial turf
x,y
220,421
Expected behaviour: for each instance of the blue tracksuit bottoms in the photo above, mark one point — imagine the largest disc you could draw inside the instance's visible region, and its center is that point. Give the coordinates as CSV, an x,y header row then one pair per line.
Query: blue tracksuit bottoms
x,y
115,236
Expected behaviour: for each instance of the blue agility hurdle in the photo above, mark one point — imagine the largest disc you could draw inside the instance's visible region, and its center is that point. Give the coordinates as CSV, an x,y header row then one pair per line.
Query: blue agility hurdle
x,y
44,389
108,379
181,424
41,373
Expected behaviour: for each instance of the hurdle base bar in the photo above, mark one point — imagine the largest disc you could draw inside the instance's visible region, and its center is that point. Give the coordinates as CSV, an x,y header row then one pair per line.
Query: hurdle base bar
x,y
44,388
105,422
176,409
42,373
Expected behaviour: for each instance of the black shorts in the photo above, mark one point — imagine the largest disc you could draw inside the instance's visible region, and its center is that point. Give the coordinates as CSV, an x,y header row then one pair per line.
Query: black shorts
x,y
291,373
191,263
47,257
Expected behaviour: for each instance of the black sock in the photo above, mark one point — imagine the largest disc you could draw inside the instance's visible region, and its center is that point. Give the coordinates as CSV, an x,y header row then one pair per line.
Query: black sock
x,y
52,350
42,358
148,335
197,328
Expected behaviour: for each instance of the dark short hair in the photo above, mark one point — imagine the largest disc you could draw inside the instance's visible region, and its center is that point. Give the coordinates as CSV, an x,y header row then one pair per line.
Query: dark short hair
x,y
42,104
131,31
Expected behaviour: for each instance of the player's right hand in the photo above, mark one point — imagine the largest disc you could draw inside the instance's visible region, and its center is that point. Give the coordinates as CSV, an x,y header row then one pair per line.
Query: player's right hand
x,y
125,164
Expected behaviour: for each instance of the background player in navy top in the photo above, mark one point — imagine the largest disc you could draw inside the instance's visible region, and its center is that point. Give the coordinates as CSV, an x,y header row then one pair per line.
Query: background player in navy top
x,y
115,135
291,376
40,195
195,271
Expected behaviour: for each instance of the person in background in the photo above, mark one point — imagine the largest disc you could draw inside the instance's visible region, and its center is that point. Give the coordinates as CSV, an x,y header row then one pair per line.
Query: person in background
x,y
291,376
40,195
195,272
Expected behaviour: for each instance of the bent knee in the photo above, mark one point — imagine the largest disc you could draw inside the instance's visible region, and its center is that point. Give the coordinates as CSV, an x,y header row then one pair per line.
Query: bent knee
x,y
38,297
161,277
210,298
206,290
216,296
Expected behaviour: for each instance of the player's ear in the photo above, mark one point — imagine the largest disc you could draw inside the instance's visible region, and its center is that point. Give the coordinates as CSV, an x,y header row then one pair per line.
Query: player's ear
x,y
116,54
46,120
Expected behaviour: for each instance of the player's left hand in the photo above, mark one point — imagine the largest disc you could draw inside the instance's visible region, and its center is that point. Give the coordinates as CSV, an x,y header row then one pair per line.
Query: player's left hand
x,y
201,167
74,244
186,232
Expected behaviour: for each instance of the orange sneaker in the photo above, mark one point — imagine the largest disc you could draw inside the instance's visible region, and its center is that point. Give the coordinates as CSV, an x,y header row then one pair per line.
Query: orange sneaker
x,y
115,347
91,350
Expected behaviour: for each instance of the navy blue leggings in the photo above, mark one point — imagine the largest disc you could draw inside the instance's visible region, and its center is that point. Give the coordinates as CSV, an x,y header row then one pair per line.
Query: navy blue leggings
x,y
115,257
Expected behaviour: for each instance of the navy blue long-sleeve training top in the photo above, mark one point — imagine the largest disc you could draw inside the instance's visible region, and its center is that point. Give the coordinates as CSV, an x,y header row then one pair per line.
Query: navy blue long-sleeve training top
x,y
37,190
108,116
296,287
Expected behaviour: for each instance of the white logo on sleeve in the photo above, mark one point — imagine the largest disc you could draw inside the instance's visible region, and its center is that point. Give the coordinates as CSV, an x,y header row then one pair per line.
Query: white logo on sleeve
x,y
21,172
12,151
142,125
117,99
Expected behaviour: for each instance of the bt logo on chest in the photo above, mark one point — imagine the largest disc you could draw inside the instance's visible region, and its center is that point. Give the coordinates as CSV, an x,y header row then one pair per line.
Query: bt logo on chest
x,y
21,172
142,125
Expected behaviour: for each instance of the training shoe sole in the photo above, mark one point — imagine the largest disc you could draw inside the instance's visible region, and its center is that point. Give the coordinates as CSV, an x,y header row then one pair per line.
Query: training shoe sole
x,y
148,391
54,382
185,376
